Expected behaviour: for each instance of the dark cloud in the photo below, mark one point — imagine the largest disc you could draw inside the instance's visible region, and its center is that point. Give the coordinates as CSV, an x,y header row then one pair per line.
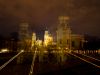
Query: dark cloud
x,y
84,14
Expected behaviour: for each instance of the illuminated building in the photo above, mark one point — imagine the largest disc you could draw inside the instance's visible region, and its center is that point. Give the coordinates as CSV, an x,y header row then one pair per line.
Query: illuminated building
x,y
77,41
24,35
24,42
63,33
23,31
48,39
33,39
39,42
65,38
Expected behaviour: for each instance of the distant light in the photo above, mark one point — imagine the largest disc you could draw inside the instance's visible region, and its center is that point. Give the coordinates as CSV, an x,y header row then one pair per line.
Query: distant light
x,y
59,47
4,50
22,50
45,51
66,48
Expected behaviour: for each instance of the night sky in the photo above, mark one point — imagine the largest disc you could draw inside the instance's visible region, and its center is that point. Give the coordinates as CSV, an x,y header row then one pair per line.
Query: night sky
x,y
84,15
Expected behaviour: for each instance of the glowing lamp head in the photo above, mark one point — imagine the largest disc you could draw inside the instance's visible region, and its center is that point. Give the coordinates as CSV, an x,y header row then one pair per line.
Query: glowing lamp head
x,y
22,50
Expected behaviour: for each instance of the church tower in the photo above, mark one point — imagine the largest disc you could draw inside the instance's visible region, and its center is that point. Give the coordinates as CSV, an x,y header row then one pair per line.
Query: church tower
x,y
23,31
63,33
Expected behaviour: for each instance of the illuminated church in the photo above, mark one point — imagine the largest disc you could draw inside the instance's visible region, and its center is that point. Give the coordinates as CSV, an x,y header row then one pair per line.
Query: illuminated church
x,y
48,39
65,38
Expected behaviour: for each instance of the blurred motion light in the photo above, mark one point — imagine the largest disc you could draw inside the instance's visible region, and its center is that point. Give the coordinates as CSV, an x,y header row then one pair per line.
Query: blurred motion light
x,y
22,50
4,50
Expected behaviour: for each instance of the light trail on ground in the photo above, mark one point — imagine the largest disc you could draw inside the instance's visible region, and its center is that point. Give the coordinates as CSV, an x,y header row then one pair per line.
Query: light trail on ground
x,y
84,60
32,66
5,64
89,56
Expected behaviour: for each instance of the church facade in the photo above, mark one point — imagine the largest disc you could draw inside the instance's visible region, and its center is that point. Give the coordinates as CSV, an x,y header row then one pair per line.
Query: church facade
x,y
65,38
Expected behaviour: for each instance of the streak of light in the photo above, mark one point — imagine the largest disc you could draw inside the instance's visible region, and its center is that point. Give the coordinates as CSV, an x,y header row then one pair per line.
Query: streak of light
x,y
84,60
4,50
5,64
89,56
32,66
